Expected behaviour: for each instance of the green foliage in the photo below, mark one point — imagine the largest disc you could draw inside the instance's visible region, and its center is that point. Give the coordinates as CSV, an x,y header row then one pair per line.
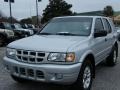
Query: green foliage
x,y
108,11
3,18
34,20
91,13
31,20
14,20
56,8
27,20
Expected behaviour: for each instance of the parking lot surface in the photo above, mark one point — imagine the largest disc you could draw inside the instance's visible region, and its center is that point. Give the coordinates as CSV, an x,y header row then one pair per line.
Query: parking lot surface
x,y
107,78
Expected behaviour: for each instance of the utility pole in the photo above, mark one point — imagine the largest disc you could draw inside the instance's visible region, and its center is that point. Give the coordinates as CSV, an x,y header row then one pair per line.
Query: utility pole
x,y
10,1
37,15
10,12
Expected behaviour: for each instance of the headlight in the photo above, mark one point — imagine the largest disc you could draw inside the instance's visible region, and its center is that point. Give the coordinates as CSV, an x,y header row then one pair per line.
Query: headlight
x,y
60,57
10,53
56,57
10,33
31,32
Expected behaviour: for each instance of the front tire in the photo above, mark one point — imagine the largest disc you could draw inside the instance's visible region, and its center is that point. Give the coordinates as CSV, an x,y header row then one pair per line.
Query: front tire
x,y
85,77
2,40
112,58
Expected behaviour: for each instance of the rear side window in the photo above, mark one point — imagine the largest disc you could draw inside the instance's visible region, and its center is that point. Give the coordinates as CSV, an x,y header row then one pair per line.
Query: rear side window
x,y
98,25
12,26
107,26
2,26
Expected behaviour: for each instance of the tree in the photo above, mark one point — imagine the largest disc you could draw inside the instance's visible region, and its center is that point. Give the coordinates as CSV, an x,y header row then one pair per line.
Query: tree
x,y
108,11
3,18
56,8
27,20
31,20
14,20
34,18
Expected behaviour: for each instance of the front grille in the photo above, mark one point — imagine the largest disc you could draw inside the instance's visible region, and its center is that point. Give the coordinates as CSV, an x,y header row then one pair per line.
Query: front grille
x,y
11,33
30,56
28,72
39,74
22,71
16,69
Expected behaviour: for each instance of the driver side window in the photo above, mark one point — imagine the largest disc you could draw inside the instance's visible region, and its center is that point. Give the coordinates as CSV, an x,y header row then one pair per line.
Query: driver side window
x,y
98,25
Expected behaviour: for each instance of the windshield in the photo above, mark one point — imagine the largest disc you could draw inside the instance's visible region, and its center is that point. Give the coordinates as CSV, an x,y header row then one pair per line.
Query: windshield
x,y
68,26
17,26
7,26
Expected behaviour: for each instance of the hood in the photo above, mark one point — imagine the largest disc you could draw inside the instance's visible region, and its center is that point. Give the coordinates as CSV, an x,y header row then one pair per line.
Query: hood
x,y
29,30
50,43
21,29
9,32
26,30
118,30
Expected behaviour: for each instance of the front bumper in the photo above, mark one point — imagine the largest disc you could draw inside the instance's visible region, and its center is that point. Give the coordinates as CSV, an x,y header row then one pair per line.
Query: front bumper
x,y
50,73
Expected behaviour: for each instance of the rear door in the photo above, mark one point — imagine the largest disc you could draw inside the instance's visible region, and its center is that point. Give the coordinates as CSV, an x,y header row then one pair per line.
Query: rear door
x,y
110,36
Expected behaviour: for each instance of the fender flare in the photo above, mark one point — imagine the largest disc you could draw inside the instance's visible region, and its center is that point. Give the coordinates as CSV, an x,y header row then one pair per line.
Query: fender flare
x,y
89,52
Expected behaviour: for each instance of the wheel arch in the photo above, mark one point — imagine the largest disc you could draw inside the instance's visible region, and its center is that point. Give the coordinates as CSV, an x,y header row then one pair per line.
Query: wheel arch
x,y
92,60
91,57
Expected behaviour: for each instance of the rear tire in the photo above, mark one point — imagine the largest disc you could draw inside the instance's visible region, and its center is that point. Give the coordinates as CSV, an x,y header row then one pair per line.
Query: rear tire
x,y
112,58
2,40
85,77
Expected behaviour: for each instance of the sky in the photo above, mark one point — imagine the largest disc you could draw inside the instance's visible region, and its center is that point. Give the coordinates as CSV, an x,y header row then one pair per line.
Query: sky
x,y
27,8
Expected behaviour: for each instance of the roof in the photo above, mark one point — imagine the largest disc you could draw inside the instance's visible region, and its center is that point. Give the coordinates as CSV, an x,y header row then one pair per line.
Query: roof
x,y
81,16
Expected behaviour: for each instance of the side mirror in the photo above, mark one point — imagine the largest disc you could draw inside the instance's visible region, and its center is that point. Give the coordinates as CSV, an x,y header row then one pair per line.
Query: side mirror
x,y
100,33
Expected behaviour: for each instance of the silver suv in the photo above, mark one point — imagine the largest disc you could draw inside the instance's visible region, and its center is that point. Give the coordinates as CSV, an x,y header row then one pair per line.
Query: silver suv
x,y
66,51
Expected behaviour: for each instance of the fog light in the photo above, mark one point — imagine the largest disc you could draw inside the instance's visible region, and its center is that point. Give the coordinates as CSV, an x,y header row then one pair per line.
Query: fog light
x,y
7,67
58,76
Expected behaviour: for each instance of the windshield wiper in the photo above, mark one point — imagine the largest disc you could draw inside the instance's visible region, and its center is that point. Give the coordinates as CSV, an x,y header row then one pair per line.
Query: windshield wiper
x,y
60,33
44,33
66,34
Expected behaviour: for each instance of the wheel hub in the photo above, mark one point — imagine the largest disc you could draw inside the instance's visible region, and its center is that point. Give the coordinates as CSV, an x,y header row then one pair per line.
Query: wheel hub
x,y
115,57
86,77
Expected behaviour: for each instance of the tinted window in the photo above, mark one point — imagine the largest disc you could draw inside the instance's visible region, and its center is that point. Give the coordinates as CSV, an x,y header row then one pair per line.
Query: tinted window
x,y
77,26
7,26
17,26
107,26
2,26
13,27
98,25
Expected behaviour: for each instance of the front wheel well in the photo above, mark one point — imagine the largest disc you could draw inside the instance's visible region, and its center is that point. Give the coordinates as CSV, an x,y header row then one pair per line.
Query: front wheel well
x,y
92,60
